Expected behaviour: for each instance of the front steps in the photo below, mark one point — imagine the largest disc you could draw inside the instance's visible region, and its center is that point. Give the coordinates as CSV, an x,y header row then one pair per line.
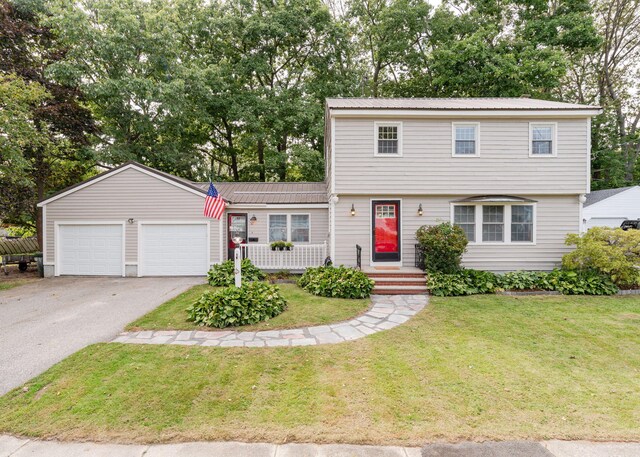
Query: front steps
x,y
398,282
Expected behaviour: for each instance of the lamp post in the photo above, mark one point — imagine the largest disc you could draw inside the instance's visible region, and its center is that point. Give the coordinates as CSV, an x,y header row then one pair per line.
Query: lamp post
x,y
237,260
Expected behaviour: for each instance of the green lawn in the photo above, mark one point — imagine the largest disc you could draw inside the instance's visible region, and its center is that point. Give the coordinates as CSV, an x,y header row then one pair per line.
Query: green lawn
x,y
304,309
484,367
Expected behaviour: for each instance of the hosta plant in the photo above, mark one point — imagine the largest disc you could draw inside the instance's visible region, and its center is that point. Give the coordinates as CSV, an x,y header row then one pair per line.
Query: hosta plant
x,y
338,282
222,274
232,306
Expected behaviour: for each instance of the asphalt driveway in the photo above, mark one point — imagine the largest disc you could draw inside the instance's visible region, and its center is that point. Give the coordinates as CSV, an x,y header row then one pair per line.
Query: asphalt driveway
x,y
43,322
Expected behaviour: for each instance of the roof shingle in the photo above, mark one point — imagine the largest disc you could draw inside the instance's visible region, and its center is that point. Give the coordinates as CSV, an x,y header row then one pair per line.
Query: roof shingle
x,y
272,192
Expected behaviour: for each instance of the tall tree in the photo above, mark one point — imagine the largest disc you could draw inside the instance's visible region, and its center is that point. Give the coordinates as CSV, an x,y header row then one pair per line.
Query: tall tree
x,y
45,129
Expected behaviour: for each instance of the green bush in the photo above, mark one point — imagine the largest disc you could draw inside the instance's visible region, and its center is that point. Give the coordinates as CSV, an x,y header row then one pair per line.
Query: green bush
x,y
525,280
337,282
614,252
462,282
232,306
222,274
443,246
583,282
468,282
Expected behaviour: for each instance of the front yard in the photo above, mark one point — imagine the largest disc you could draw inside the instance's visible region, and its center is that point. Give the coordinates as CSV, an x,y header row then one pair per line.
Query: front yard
x,y
304,309
481,367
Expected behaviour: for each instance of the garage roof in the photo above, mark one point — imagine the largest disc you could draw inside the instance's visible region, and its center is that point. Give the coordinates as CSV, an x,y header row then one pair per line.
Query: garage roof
x,y
599,195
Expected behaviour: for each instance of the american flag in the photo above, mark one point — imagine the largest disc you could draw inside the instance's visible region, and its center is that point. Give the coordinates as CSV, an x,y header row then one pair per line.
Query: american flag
x,y
214,204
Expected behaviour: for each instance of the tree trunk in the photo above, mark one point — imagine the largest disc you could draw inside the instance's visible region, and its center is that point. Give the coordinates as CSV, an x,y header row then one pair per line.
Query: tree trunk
x,y
232,152
263,176
282,147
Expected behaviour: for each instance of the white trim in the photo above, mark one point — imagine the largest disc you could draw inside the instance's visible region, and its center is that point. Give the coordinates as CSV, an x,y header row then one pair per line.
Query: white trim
x,y
507,222
333,156
115,172
420,113
453,139
376,126
44,246
221,238
400,237
332,226
288,217
292,206
170,222
554,139
56,230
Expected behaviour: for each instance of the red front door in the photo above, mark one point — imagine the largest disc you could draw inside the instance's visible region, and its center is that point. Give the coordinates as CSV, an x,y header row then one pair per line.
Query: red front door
x,y
237,226
385,219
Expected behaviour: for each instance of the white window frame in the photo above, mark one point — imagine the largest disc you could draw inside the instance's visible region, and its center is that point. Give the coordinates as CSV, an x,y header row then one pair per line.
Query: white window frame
x,y
376,126
507,222
554,139
288,215
454,125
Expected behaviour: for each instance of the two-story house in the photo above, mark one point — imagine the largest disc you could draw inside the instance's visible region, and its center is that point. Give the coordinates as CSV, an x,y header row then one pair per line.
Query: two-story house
x,y
511,172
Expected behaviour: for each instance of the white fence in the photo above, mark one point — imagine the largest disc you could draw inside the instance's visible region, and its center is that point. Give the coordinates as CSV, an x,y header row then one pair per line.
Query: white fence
x,y
301,256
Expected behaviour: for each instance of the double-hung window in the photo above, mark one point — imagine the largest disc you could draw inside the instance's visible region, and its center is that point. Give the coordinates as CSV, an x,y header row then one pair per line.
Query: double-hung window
x,y
521,223
388,137
289,227
465,139
542,140
465,217
492,223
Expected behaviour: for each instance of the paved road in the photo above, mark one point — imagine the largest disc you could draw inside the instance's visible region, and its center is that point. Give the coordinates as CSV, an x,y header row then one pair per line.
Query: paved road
x,y
43,322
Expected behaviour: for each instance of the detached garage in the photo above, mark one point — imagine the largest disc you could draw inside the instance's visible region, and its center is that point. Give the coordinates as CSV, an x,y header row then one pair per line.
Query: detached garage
x,y
130,221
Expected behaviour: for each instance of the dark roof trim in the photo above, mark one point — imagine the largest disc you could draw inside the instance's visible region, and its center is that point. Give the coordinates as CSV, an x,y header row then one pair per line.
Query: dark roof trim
x,y
494,199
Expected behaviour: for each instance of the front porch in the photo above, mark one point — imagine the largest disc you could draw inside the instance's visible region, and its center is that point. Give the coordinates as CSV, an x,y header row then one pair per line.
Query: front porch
x,y
297,259
397,280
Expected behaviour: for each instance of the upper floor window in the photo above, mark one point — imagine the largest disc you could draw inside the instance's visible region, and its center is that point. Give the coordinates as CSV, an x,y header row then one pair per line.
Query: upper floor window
x,y
388,139
542,140
465,139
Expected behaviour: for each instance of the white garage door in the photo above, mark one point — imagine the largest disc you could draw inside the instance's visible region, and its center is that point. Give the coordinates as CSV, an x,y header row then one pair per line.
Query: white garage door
x,y
173,250
90,250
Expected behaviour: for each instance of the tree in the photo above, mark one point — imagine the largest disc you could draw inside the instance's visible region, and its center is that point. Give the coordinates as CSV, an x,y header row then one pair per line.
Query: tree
x,y
44,129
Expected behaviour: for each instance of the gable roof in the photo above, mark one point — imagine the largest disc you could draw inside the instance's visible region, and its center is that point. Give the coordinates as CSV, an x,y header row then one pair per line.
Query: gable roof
x,y
169,178
495,103
272,192
599,195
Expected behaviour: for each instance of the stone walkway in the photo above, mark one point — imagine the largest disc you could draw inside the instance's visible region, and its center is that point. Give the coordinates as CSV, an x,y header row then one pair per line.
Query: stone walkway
x,y
387,311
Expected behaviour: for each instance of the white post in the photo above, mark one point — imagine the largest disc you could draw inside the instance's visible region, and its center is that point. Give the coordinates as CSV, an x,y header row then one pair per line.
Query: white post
x,y
237,269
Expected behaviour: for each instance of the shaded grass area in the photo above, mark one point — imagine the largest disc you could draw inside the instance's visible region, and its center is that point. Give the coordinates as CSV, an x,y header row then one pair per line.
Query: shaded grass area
x,y
304,309
480,367
7,284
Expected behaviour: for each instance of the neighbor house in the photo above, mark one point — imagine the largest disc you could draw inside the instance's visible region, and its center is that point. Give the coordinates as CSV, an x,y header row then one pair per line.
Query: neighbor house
x,y
513,173
610,207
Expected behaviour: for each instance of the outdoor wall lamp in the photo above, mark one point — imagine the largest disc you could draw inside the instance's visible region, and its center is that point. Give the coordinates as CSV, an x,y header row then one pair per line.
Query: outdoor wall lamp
x,y
353,210
420,209
253,219
130,220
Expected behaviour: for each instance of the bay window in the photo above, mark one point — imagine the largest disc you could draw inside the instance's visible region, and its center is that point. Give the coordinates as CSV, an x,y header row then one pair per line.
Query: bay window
x,y
502,222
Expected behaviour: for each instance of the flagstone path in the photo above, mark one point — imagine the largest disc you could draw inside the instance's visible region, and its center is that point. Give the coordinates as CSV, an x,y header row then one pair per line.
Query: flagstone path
x,y
387,311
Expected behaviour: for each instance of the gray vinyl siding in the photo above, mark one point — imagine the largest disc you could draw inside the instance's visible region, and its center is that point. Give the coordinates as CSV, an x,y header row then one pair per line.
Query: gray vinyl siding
x,y
556,216
129,194
318,219
427,166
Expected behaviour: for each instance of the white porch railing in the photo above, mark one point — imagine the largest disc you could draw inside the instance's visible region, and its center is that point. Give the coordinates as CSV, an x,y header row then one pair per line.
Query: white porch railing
x,y
301,256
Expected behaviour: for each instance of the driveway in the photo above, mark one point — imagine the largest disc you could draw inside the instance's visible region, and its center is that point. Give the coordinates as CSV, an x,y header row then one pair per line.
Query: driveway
x,y
43,322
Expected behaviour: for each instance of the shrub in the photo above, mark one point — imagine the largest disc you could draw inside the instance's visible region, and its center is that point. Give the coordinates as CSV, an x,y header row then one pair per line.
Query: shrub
x,y
583,282
232,306
443,246
462,282
525,280
222,274
468,282
614,252
338,282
